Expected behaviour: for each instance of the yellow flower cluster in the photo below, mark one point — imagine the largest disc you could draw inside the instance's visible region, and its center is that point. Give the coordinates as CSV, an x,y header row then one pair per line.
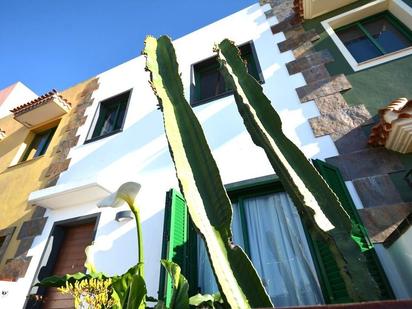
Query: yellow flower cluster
x,y
90,293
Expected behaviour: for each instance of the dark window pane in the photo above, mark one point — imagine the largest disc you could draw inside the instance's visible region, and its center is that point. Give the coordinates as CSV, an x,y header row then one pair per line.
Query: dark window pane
x,y
111,115
358,44
247,55
210,83
39,145
44,141
120,116
386,34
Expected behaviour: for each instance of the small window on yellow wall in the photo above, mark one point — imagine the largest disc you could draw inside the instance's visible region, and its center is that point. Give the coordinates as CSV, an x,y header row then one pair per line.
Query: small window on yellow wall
x,y
39,144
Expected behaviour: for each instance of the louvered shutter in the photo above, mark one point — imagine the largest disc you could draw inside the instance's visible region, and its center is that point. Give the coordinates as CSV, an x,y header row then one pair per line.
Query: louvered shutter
x,y
175,238
332,282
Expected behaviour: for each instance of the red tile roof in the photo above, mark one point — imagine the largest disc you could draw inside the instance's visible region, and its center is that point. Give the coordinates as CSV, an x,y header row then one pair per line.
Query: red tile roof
x,y
380,132
37,102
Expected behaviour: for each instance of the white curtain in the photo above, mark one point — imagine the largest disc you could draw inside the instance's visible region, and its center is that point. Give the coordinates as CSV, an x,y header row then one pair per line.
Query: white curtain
x,y
278,250
206,279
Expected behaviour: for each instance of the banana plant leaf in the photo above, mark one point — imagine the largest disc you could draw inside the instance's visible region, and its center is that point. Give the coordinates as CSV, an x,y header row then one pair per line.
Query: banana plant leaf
x,y
318,206
200,182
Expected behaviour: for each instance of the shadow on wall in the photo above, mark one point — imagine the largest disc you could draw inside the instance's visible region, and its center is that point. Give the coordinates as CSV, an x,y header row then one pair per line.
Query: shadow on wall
x,y
117,241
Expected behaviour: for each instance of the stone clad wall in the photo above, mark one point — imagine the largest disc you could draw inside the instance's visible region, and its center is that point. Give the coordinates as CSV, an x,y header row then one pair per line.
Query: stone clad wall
x,y
370,169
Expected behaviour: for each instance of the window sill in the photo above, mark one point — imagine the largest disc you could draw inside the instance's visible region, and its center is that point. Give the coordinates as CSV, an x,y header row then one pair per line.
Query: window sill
x,y
91,140
26,162
384,58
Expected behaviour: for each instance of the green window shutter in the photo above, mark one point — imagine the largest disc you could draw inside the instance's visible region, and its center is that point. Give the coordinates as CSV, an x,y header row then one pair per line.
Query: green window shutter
x,y
332,282
178,247
174,239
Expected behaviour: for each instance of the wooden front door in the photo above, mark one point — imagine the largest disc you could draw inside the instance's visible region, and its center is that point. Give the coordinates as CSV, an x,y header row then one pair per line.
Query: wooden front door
x,y
70,260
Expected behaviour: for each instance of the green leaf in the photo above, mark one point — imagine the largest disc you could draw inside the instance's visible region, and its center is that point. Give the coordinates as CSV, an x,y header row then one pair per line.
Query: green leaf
x,y
214,301
200,182
60,281
121,285
319,208
137,293
199,299
180,297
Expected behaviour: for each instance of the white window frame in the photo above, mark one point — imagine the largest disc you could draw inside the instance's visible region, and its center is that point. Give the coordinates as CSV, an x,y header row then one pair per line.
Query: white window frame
x,y
396,7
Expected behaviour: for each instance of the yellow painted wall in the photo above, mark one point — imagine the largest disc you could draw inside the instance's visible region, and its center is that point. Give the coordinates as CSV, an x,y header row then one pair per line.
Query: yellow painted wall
x,y
314,8
18,181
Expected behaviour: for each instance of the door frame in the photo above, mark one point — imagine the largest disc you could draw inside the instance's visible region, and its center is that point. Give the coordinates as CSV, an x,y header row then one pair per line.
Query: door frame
x,y
47,265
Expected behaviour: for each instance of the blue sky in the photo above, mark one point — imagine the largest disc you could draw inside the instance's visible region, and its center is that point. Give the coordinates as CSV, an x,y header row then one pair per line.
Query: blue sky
x,y
57,43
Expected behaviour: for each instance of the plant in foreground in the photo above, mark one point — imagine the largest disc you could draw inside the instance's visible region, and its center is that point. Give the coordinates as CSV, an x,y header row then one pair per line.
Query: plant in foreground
x,y
208,204
318,206
90,293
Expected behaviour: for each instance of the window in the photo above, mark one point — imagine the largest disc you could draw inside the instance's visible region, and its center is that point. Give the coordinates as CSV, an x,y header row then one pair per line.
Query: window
x,y
372,34
110,116
295,269
375,36
266,224
209,82
39,144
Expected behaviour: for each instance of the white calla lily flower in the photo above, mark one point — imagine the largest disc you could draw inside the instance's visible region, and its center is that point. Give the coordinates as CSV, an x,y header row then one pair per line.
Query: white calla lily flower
x,y
126,193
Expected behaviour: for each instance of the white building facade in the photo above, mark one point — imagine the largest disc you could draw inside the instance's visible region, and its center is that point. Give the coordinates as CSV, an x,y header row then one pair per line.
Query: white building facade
x,y
137,150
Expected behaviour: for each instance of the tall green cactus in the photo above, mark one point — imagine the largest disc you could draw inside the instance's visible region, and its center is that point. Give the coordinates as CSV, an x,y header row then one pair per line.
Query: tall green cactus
x,y
200,182
318,206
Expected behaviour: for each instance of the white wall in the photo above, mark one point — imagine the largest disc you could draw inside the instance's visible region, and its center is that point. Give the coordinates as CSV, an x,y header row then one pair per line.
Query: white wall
x,y
19,95
140,152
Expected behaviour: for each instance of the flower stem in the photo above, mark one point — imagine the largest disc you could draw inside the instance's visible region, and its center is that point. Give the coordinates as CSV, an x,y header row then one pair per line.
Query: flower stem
x,y
140,264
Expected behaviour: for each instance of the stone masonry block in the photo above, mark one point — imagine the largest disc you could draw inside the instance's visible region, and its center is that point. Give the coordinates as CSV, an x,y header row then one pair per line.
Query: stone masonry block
x,y
24,246
339,122
303,50
15,269
384,220
367,163
283,26
316,73
57,168
32,227
323,88
331,103
66,144
297,40
354,140
38,212
75,123
308,61
377,191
